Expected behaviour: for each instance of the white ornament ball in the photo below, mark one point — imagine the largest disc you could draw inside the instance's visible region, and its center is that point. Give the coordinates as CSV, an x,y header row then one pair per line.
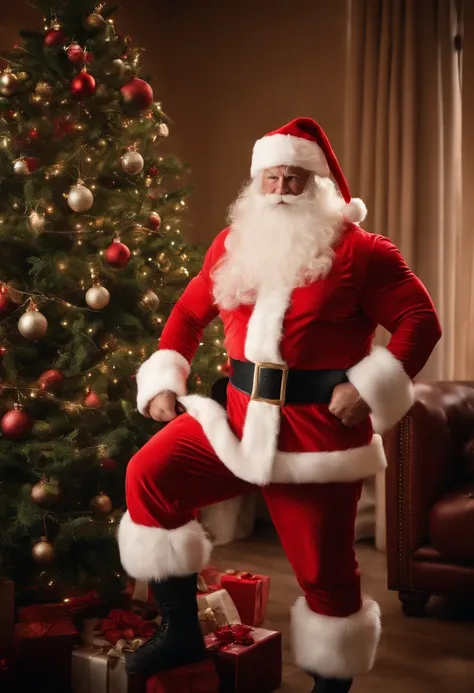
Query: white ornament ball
x,y
21,168
97,297
32,325
132,162
80,198
36,221
164,130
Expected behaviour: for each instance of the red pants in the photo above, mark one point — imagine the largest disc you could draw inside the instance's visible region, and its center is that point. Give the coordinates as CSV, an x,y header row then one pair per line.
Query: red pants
x,y
177,472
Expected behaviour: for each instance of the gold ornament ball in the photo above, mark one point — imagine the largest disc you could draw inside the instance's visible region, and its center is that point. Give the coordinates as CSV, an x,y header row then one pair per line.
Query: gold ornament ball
x,y
44,493
23,76
9,83
101,504
32,325
37,221
36,98
43,552
20,167
80,198
164,130
151,300
101,144
97,297
132,162
44,88
95,21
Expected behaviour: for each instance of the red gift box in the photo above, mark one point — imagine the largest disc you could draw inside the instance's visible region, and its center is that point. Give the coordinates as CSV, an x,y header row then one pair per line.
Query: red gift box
x,y
250,594
248,660
195,678
43,648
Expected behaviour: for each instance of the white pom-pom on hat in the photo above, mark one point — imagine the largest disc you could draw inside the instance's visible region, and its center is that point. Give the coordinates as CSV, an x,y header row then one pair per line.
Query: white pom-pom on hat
x,y
355,210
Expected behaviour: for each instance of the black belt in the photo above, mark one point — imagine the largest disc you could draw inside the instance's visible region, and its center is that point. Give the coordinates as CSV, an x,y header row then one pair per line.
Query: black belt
x,y
267,382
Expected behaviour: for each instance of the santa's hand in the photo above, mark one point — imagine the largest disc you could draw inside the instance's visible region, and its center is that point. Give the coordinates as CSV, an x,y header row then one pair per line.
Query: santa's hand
x,y
347,404
165,407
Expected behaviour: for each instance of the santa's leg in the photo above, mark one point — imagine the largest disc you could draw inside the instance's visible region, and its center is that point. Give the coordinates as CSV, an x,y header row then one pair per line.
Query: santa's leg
x,y
160,541
335,629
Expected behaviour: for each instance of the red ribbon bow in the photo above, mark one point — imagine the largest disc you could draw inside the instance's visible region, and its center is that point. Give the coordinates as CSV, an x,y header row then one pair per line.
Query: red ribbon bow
x,y
237,634
247,576
125,625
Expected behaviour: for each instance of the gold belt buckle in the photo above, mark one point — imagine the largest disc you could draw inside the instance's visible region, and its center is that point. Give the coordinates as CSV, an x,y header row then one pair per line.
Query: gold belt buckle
x,y
256,379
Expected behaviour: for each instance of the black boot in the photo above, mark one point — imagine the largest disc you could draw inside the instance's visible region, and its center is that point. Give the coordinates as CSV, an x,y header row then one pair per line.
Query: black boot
x,y
331,685
179,640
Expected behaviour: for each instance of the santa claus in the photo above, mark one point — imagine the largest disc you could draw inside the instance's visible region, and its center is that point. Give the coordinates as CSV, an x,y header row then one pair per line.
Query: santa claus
x,y
300,289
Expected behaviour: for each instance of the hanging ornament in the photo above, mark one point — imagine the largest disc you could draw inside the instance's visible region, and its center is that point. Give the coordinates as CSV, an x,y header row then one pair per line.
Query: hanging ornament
x,y
6,304
75,53
32,163
97,297
153,171
33,134
95,22
43,552
44,492
154,221
137,93
82,86
9,83
163,130
108,464
132,162
37,221
151,300
101,504
16,423
20,167
32,325
44,88
80,198
51,380
54,37
116,68
117,254
23,76
92,400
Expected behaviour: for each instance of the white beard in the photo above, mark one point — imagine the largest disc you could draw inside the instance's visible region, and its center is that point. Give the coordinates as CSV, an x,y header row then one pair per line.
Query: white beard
x,y
274,246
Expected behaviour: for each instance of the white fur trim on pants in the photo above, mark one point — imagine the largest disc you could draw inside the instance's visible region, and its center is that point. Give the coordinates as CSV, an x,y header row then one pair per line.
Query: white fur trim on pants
x,y
153,553
255,458
335,647
164,370
384,385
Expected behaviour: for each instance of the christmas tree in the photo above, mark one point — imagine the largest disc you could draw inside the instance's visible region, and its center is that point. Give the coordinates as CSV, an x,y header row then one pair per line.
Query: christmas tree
x,y
92,260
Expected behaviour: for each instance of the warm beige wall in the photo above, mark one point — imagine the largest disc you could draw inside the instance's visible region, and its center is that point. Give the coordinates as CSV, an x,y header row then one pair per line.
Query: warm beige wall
x,y
227,72
468,119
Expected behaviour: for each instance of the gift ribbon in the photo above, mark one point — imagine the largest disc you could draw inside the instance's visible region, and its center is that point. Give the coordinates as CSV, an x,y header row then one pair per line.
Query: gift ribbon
x,y
125,625
35,629
242,576
236,634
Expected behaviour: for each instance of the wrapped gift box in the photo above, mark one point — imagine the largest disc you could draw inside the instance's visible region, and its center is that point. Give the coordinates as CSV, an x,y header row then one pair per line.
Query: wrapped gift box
x,y
101,669
43,648
250,594
216,609
194,678
248,660
7,618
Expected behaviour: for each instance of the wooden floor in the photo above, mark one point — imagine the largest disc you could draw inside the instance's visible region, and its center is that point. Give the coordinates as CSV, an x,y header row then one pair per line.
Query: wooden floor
x,y
434,654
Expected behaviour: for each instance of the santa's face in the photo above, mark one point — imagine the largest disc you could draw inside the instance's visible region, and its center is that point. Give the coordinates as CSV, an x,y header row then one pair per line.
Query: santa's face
x,y
283,228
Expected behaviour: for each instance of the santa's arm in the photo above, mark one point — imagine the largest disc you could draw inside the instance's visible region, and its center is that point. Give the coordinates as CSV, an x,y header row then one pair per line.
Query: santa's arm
x,y
169,367
398,301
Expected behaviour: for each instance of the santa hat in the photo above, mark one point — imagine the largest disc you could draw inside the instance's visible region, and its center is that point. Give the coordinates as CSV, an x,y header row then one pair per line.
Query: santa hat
x,y
303,143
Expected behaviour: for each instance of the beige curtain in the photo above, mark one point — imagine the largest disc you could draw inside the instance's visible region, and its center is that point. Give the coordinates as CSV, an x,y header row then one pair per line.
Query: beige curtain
x,y
403,156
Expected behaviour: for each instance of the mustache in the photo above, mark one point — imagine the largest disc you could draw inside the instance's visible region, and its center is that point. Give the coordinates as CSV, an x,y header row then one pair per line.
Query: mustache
x,y
272,199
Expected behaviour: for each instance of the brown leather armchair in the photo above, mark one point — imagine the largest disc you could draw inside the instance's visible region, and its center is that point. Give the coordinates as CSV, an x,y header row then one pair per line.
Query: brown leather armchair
x,y
430,496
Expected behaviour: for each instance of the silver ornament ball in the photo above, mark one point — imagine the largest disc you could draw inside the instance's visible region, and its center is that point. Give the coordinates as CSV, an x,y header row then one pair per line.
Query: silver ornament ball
x,y
9,83
97,297
151,300
132,162
20,167
36,221
164,130
32,325
80,198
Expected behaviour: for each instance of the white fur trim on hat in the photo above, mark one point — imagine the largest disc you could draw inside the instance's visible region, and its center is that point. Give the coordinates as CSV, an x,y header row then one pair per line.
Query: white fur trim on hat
x,y
287,150
165,370
355,210
335,647
154,553
383,383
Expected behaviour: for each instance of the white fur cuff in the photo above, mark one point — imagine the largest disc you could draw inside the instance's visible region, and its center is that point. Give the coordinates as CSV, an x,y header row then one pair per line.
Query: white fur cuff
x,y
385,386
335,647
164,370
154,553
287,150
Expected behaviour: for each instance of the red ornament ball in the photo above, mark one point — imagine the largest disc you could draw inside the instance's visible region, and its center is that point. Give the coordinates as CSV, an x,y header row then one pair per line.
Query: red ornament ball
x,y
153,171
54,38
75,53
82,86
32,163
6,304
108,464
118,254
154,221
92,400
138,93
50,380
33,134
16,423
